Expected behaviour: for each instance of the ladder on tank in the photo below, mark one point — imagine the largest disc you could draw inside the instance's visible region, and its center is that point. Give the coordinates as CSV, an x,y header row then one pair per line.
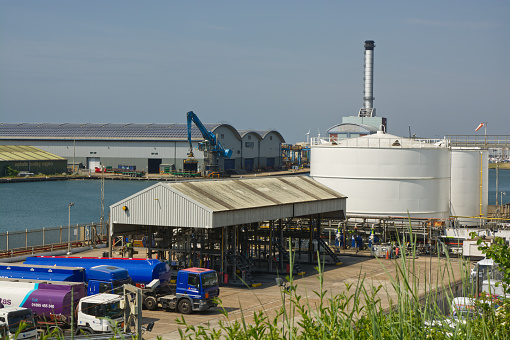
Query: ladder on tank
x,y
283,252
328,250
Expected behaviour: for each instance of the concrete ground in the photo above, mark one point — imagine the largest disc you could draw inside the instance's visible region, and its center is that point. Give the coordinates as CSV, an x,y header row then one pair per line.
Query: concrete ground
x,y
240,300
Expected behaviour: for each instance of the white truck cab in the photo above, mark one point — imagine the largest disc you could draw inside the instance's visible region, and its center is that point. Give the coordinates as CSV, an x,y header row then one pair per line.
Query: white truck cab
x,y
13,317
94,312
3,331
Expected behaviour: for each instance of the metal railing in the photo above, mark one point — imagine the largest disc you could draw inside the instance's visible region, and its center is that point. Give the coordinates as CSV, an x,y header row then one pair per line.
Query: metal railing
x,y
480,141
24,242
381,142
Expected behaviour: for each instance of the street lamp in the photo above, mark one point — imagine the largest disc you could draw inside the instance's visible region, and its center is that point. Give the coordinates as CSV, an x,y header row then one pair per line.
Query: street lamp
x,y
281,283
69,231
501,195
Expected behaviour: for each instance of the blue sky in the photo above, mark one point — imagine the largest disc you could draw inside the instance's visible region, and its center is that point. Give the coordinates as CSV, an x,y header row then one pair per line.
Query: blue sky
x,y
441,67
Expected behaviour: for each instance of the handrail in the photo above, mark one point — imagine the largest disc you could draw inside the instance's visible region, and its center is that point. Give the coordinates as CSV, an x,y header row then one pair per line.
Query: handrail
x,y
45,239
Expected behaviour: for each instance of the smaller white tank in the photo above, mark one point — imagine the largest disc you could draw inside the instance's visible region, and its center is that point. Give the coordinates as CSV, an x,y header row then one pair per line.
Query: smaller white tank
x,y
469,185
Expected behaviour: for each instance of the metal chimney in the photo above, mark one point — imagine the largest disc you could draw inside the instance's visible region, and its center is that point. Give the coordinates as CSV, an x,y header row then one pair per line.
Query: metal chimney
x,y
368,109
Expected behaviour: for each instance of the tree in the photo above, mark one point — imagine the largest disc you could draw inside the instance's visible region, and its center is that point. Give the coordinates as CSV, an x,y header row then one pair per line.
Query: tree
x,y
500,253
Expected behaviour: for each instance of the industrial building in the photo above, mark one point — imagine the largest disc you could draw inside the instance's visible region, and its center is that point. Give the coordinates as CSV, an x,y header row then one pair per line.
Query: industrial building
x,y
145,147
30,160
231,225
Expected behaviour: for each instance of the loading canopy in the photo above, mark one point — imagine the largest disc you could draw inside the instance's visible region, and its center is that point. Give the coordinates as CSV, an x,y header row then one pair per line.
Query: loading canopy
x,y
214,204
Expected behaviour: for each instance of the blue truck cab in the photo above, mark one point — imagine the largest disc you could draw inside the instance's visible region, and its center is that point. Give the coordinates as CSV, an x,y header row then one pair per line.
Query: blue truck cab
x,y
106,279
195,290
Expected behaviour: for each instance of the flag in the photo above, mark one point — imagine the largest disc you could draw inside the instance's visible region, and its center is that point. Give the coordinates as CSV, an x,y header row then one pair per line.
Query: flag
x,y
479,127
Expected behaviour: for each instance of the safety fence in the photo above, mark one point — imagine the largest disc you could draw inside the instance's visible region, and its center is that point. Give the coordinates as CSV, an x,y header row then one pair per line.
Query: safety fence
x,y
31,241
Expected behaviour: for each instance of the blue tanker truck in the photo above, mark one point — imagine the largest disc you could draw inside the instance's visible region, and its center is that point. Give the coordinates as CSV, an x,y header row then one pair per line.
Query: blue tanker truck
x,y
98,278
195,289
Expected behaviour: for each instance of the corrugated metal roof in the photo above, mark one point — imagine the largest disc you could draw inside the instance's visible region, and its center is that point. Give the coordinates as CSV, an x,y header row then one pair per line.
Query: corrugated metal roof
x,y
253,193
211,204
25,153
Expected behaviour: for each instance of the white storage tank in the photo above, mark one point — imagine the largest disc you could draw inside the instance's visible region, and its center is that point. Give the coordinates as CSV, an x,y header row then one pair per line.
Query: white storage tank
x,y
470,184
386,175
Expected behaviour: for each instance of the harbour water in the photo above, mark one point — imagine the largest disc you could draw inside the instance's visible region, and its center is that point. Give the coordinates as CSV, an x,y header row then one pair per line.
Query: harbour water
x,y
34,205
46,204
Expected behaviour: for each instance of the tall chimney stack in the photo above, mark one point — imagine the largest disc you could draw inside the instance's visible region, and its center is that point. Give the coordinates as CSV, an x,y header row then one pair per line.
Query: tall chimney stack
x,y
368,109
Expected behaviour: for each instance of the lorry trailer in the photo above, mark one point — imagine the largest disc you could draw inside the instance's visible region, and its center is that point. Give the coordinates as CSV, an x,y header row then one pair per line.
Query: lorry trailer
x,y
44,298
53,304
141,271
98,279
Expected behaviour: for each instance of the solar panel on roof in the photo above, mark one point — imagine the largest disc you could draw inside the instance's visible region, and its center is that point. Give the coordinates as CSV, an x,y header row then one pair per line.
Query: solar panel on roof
x,y
88,130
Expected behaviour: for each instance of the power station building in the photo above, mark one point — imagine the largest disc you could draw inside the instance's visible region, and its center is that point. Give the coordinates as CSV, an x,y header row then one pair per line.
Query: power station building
x,y
145,146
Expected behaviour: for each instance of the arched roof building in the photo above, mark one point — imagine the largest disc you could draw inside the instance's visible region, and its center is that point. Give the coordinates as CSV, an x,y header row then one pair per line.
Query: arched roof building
x,y
142,146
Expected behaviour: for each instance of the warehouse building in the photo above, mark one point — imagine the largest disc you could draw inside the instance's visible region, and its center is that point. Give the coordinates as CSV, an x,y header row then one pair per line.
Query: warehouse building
x,y
233,225
145,146
30,160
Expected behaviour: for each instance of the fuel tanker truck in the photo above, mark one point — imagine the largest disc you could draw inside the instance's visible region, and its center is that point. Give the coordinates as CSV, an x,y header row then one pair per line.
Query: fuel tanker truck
x,y
52,304
195,289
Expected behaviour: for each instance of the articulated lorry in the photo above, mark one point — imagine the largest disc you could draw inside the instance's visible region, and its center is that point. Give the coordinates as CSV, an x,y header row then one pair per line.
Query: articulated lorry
x,y
53,304
195,289
98,278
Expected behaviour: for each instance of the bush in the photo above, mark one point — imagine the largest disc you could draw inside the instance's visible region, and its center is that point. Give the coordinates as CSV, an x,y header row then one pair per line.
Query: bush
x,y
10,172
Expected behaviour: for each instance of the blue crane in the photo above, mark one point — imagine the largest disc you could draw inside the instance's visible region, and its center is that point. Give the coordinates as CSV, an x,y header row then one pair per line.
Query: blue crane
x,y
208,136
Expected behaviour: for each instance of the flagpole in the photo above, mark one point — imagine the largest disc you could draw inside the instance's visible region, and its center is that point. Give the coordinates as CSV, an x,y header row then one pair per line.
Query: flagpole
x,y
485,129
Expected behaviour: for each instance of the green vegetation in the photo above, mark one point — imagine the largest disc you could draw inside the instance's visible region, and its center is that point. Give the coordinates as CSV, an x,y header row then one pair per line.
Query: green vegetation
x,y
501,166
359,311
10,172
500,253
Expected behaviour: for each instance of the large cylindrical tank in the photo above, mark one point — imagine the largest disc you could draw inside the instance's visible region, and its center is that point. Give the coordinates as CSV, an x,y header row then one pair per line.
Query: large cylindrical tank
x,y
386,175
470,184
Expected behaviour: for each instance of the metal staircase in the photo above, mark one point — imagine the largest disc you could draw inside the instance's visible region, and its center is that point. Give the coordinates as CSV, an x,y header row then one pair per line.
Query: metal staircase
x,y
244,266
328,250
284,252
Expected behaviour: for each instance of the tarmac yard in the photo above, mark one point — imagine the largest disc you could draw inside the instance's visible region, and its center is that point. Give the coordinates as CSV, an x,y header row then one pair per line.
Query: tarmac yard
x,y
239,301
